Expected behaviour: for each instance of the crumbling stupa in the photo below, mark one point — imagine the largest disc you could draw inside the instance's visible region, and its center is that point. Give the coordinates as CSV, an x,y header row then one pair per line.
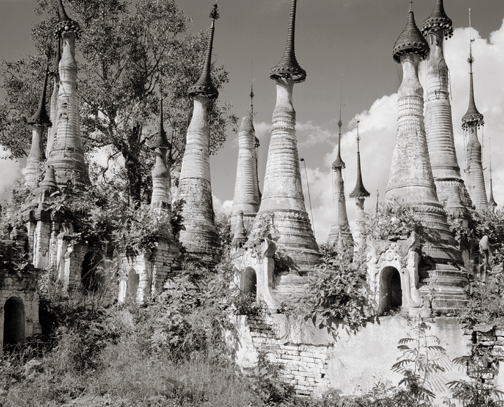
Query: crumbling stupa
x,y
67,153
339,235
200,235
438,114
471,122
247,196
283,195
411,181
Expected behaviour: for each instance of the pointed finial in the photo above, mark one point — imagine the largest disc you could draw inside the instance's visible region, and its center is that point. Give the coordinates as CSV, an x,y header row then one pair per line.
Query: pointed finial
x,y
491,200
252,99
160,140
65,23
41,118
288,66
438,20
358,137
411,41
472,117
410,6
359,191
204,85
338,163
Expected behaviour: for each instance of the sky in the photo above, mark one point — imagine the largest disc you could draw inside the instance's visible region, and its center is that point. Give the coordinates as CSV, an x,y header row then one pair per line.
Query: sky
x,y
346,48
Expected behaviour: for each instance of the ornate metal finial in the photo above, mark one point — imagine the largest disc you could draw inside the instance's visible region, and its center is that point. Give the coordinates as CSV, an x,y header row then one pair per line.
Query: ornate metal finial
x,y
358,137
160,140
359,191
491,200
338,163
288,66
438,20
473,117
411,41
41,118
65,23
252,99
204,85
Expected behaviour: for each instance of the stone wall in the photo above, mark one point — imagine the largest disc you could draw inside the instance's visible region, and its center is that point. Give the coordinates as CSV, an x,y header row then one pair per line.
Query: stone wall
x,y
314,362
145,274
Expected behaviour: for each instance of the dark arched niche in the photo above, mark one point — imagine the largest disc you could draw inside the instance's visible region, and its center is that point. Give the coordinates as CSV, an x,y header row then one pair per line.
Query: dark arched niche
x,y
14,322
133,281
90,278
249,281
390,290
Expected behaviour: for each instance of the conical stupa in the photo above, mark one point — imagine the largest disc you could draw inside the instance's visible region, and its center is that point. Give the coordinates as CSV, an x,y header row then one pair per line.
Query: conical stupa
x,y
67,153
438,113
200,235
247,197
283,195
339,235
39,120
471,122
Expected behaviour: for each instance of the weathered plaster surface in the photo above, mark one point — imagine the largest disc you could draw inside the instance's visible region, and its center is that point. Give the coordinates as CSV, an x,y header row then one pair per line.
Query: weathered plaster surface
x,y
200,235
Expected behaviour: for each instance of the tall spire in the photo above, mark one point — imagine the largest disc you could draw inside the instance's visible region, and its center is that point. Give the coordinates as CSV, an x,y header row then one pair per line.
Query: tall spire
x,y
200,237
161,181
41,118
160,139
65,23
472,117
282,196
247,196
471,122
359,191
438,115
252,100
339,235
288,66
66,152
411,180
491,200
204,86
338,162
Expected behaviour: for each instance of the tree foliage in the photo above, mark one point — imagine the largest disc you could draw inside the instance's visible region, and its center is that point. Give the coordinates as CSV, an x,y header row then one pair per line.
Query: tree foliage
x,y
128,51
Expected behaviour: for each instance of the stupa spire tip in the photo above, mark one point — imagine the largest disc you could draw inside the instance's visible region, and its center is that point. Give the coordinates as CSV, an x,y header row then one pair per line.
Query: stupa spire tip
x,y
411,41
41,118
204,86
65,23
288,67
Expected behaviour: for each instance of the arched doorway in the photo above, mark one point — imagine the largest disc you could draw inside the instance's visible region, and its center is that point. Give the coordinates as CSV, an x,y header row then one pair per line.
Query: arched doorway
x,y
14,322
90,278
249,281
132,287
390,290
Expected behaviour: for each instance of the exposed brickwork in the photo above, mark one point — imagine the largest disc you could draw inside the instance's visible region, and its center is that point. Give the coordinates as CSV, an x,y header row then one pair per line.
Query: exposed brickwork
x,y
303,366
152,269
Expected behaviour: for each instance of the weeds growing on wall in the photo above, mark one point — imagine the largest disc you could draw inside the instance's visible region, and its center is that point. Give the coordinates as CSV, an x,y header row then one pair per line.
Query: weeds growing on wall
x,y
338,293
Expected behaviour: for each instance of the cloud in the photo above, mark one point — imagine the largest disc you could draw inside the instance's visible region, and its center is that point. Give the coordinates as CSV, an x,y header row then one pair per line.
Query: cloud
x,y
222,207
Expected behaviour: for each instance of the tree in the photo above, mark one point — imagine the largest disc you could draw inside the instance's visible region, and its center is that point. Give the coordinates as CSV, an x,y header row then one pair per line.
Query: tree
x,y
129,49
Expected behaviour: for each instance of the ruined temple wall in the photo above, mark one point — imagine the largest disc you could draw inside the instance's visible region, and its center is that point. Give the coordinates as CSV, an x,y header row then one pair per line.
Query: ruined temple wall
x,y
152,269
25,290
315,362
